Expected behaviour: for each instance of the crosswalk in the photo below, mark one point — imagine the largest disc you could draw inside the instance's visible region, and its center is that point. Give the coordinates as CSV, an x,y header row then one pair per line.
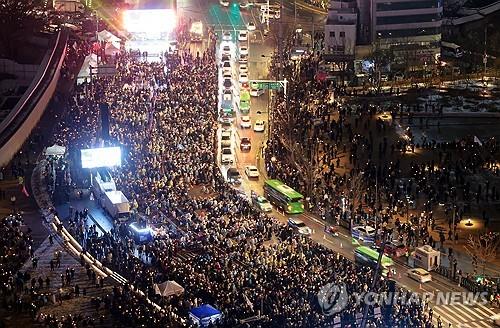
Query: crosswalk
x,y
464,315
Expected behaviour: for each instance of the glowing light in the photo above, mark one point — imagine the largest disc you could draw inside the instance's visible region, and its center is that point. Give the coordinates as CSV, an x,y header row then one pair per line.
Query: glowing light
x,y
150,21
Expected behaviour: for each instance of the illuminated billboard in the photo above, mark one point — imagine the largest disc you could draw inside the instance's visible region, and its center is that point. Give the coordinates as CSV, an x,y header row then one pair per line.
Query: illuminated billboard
x,y
101,157
149,20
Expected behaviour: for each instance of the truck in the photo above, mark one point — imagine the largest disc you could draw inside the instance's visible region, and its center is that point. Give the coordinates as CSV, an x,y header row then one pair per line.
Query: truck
x,y
196,31
69,6
116,204
102,181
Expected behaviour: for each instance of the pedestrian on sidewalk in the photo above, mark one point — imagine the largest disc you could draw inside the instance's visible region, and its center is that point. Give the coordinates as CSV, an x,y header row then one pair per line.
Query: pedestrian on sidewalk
x,y
51,240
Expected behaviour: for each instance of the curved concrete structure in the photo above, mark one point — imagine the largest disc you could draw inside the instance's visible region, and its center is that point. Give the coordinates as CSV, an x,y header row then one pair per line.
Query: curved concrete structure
x,y
17,126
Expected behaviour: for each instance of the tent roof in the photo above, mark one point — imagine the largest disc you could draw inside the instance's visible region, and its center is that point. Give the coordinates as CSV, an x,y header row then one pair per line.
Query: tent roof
x,y
55,150
168,288
205,311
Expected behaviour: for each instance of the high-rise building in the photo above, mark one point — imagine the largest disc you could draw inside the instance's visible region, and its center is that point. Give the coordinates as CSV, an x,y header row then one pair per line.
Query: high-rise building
x,y
410,28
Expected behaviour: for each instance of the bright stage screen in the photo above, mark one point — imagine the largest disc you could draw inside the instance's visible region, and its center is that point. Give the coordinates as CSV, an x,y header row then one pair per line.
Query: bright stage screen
x,y
149,20
101,157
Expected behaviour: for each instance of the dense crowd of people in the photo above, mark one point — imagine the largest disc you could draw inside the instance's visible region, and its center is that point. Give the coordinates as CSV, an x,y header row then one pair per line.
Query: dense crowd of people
x,y
220,249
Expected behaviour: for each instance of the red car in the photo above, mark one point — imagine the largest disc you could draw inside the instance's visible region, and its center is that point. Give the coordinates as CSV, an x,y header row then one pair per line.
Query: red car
x,y
245,144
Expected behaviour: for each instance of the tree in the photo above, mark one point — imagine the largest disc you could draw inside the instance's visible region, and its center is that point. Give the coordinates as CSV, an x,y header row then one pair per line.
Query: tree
x,y
483,247
18,20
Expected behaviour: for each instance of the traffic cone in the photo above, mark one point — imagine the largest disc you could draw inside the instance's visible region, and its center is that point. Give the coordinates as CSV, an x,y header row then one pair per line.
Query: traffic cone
x,y
341,246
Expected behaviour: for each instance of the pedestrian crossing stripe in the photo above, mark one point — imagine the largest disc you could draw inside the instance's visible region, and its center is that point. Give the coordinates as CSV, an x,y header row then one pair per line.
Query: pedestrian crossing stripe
x,y
464,316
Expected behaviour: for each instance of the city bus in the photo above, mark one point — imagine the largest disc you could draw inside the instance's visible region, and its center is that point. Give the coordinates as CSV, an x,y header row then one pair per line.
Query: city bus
x,y
451,50
283,197
244,104
368,256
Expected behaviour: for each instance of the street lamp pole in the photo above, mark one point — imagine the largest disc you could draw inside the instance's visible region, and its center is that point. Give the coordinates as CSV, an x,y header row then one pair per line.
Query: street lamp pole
x,y
485,56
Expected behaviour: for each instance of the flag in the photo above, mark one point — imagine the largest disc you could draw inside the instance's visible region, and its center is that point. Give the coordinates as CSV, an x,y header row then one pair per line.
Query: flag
x,y
24,191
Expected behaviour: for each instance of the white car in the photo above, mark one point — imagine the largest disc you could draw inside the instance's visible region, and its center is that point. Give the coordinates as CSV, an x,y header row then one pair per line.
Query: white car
x,y
245,122
226,36
227,75
259,126
224,3
243,68
299,226
252,171
419,275
244,4
226,51
251,26
227,95
243,50
363,232
243,36
261,202
243,77
225,138
256,92
226,156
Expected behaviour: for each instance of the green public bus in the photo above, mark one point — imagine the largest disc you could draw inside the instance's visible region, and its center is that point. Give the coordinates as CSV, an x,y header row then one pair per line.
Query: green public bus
x,y
283,197
244,102
368,256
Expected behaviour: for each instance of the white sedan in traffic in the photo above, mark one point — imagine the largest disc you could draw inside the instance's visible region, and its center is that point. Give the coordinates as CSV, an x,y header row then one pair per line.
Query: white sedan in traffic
x,y
252,171
420,275
245,123
243,36
224,3
243,77
251,26
226,36
243,68
244,50
300,226
259,126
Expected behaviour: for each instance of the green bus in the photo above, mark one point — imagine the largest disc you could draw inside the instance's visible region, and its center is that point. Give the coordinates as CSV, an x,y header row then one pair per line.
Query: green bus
x,y
244,102
283,197
368,256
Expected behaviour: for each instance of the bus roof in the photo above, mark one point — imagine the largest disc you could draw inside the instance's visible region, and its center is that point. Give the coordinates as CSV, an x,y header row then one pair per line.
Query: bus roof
x,y
244,95
283,188
449,45
373,254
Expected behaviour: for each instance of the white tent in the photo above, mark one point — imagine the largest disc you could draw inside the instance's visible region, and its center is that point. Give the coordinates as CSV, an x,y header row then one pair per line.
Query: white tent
x,y
90,60
111,49
55,150
107,36
168,288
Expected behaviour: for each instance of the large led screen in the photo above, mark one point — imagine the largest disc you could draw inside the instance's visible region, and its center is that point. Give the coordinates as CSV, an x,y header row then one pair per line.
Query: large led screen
x,y
101,157
149,20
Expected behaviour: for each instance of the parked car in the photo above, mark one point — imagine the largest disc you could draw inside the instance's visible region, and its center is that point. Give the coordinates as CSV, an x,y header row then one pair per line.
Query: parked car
x,y
251,26
225,139
243,68
256,92
227,156
299,226
243,36
395,249
419,275
226,36
252,171
363,231
245,122
259,126
245,144
224,3
261,202
244,50
233,176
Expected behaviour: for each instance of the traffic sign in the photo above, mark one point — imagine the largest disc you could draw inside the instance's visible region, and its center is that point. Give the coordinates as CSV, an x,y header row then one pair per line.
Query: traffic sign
x,y
272,85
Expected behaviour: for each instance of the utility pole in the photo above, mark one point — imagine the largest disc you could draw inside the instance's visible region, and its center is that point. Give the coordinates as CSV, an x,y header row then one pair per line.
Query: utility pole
x,y
485,56
374,282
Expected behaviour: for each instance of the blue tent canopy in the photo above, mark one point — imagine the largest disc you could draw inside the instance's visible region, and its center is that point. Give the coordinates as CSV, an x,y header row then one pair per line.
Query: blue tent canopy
x,y
205,314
